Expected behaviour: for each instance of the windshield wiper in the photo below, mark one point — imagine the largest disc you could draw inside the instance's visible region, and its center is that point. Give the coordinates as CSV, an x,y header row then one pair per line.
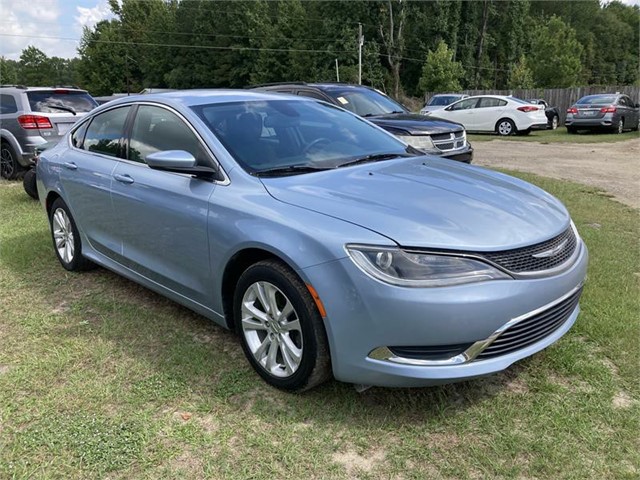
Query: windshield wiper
x,y
59,107
288,170
374,158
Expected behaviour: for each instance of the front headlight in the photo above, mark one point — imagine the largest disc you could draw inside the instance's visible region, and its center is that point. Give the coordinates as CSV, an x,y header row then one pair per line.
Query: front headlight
x,y
407,269
421,142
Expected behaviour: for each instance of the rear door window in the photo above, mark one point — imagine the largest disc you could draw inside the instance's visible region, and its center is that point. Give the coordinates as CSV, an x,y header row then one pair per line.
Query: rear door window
x,y
486,102
106,131
60,101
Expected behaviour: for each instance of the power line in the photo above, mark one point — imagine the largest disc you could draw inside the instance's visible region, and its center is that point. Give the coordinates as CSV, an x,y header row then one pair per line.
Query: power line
x,y
206,47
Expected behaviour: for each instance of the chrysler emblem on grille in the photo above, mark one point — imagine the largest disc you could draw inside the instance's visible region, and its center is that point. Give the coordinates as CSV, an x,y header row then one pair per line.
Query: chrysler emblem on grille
x,y
552,251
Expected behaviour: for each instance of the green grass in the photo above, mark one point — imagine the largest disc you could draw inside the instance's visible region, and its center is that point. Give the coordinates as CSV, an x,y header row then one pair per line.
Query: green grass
x,y
101,378
558,136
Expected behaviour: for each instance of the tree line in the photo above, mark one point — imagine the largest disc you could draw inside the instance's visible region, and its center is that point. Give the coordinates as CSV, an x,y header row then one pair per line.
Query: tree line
x,y
409,47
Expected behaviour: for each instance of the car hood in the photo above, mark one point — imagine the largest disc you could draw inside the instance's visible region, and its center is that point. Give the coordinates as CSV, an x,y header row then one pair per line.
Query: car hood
x,y
414,124
429,202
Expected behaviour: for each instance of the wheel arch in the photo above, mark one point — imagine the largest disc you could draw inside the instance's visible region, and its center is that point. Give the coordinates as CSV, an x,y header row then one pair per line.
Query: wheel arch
x,y
51,197
236,265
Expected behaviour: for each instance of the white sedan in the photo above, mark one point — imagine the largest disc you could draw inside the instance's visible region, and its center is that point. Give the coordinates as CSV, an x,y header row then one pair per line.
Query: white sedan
x,y
495,113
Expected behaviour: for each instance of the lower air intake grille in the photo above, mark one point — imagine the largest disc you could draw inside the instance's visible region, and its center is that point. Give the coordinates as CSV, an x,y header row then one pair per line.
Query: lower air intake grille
x,y
532,329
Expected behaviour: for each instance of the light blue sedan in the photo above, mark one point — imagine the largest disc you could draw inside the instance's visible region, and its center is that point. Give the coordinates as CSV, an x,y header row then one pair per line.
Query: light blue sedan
x,y
330,246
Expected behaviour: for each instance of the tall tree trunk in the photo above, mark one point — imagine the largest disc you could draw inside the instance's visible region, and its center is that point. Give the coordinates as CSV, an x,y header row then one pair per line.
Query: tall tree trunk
x,y
483,32
393,41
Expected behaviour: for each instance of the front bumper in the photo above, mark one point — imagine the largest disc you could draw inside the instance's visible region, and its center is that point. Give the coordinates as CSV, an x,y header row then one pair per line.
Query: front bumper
x,y
364,315
464,155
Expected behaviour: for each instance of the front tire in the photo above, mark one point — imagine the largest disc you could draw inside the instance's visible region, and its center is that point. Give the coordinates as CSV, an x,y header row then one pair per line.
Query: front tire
x,y
10,169
280,328
505,127
66,238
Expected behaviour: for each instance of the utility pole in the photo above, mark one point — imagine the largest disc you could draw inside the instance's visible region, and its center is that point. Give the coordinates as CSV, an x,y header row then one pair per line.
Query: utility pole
x,y
360,43
337,72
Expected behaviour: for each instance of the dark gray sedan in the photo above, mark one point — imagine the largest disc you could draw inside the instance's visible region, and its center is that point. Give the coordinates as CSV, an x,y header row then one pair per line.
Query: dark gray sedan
x,y
614,112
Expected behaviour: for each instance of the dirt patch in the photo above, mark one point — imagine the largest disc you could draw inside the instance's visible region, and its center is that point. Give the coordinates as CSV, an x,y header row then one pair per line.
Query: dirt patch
x,y
354,462
4,369
612,167
622,400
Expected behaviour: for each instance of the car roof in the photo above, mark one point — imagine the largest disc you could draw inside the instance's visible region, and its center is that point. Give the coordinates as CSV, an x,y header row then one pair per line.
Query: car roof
x,y
23,88
191,98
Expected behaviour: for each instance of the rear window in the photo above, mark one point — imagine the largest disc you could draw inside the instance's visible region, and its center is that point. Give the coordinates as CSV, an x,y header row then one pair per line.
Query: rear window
x,y
60,101
597,100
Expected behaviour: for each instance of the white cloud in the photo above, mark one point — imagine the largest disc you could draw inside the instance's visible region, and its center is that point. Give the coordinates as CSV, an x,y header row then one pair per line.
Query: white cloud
x,y
43,10
88,17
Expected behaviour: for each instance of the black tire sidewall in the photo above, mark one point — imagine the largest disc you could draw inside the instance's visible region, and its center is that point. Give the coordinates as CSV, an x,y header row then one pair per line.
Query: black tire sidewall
x,y
29,184
16,166
78,262
286,280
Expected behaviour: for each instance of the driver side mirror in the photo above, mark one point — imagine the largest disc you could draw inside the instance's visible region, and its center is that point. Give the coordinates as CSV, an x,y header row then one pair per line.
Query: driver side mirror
x,y
179,161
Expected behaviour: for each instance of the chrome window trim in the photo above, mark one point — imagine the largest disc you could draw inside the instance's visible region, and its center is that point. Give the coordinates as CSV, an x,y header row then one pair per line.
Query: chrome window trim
x,y
386,355
224,182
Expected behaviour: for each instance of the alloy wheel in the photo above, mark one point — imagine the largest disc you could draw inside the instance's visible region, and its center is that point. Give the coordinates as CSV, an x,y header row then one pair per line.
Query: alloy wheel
x,y
7,166
272,329
620,126
63,235
554,123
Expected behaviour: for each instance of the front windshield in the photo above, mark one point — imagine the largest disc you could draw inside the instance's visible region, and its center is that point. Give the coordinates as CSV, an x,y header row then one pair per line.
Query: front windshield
x,y
365,102
273,134
443,100
597,100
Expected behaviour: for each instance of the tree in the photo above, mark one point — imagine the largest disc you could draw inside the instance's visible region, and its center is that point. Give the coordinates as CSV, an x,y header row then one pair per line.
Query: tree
x,y
440,73
520,75
34,68
556,55
8,71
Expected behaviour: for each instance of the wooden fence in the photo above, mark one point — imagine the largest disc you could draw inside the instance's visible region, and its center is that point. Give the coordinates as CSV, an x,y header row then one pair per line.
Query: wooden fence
x,y
562,98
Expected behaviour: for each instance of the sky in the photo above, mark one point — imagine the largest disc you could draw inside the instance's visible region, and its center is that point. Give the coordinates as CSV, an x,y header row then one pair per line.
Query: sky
x,y
23,21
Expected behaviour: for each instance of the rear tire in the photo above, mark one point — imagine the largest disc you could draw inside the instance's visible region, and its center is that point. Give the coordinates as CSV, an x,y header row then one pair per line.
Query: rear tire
x,y
66,238
554,122
10,169
619,127
505,127
280,328
29,184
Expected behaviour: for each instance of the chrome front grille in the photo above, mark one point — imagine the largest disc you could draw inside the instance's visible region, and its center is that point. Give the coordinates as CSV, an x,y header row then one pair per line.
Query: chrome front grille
x,y
446,142
531,329
541,256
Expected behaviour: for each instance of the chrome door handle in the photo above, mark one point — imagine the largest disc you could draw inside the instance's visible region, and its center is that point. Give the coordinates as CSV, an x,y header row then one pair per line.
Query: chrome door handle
x,y
70,165
124,179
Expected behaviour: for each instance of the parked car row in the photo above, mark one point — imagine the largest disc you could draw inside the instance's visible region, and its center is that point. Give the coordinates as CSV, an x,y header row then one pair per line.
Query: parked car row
x,y
504,115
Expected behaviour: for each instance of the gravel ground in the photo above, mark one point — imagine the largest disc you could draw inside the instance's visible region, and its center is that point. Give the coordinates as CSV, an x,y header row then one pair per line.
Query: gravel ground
x,y
613,167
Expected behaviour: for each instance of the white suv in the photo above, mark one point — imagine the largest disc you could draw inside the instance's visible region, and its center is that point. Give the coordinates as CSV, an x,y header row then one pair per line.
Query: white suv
x,y
33,116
